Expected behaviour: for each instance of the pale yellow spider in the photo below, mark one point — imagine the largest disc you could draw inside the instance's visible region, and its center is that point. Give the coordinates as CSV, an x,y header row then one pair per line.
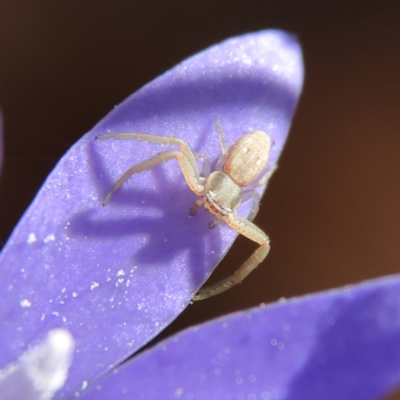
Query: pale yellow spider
x,y
221,191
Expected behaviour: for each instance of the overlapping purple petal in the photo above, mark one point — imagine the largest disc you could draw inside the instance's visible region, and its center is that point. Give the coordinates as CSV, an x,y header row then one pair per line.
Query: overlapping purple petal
x,y
115,276
343,344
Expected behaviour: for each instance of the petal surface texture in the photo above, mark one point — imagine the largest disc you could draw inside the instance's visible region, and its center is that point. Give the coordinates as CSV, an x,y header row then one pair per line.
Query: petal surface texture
x,y
115,276
342,344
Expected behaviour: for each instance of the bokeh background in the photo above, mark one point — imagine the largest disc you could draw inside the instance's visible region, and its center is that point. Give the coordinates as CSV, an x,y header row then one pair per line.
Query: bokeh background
x,y
332,208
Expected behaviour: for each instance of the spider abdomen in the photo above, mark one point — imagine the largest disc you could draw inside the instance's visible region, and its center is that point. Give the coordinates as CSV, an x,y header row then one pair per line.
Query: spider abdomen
x,y
248,157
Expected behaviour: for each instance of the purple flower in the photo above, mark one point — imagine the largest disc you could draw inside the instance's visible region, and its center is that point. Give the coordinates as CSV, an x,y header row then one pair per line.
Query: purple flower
x,y
343,344
85,286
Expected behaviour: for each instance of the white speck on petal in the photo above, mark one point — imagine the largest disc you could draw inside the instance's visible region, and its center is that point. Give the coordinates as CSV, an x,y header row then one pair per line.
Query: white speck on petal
x,y
121,272
84,385
31,238
94,285
25,303
49,238
41,370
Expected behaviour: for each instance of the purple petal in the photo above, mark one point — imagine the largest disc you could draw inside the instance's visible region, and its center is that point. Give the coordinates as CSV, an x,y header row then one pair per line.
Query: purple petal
x,y
40,371
343,344
115,276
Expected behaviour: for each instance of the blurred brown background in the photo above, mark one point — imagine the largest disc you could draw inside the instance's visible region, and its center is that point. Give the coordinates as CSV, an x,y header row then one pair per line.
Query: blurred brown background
x,y
332,208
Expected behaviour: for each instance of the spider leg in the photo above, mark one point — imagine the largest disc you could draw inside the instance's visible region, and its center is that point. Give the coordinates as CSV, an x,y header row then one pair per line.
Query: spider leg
x,y
254,194
224,149
263,180
194,182
190,163
256,203
251,231
205,166
150,163
196,205
185,157
215,223
221,136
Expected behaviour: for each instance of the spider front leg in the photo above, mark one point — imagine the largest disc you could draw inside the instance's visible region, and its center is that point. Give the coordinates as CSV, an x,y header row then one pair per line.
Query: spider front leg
x,y
148,164
185,157
251,231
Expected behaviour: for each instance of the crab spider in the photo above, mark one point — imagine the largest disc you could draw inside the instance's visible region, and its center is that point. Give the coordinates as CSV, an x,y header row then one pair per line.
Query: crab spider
x,y
221,192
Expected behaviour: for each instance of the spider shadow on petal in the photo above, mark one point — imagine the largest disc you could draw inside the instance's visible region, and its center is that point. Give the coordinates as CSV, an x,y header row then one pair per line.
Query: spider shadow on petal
x,y
155,218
